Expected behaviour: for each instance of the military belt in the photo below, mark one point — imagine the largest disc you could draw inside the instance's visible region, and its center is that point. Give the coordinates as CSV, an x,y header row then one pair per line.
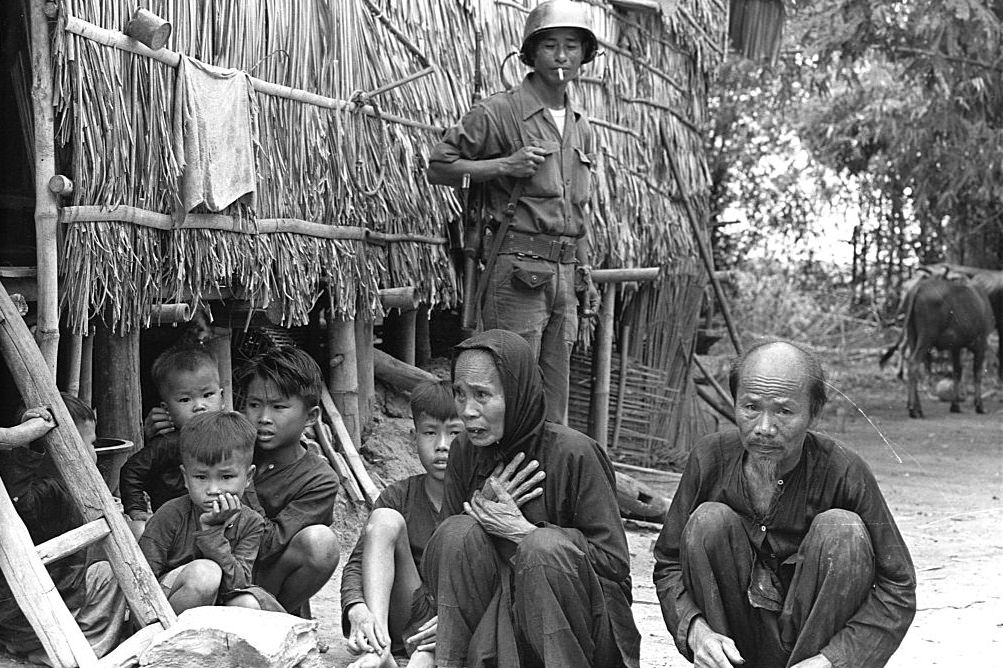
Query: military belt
x,y
540,246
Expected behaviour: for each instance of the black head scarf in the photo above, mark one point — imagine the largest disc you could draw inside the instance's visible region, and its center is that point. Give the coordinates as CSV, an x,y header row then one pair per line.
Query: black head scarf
x,y
522,383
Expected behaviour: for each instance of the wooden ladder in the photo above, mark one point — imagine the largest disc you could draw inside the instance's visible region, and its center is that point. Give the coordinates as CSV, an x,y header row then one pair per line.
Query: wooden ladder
x,y
23,563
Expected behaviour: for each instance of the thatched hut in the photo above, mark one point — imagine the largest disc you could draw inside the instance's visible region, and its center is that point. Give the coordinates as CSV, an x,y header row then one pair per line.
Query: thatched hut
x,y
349,96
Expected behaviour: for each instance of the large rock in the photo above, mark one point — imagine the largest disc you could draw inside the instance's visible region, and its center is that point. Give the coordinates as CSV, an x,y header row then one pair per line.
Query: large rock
x,y
231,637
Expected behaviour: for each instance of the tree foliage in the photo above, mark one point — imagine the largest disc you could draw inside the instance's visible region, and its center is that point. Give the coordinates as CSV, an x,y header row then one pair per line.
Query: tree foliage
x,y
916,110
902,101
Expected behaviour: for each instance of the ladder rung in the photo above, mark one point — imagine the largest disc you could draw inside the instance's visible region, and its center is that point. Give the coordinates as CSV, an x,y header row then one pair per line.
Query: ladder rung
x,y
72,541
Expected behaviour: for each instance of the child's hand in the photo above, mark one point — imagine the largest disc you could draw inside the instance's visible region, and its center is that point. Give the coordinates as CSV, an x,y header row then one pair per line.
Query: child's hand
x,y
35,423
424,639
224,507
366,634
158,421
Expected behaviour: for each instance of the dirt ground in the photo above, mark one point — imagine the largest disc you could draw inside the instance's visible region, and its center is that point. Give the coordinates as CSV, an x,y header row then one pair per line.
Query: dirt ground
x,y
942,477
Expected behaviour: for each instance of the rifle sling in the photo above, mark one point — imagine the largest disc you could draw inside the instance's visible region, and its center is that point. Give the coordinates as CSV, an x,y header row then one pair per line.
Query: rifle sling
x,y
489,263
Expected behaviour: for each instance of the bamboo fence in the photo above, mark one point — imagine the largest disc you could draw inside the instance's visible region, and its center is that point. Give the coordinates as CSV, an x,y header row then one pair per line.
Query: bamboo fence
x,y
402,71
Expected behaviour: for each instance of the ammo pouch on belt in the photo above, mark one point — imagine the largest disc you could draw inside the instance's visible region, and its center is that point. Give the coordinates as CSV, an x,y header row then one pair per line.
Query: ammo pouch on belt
x,y
530,276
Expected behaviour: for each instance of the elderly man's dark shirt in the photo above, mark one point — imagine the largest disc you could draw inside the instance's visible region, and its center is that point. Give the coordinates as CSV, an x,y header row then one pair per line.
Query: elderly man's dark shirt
x,y
828,476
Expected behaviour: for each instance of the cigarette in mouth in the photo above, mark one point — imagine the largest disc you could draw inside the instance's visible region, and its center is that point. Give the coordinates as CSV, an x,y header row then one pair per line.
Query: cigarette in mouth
x,y
560,73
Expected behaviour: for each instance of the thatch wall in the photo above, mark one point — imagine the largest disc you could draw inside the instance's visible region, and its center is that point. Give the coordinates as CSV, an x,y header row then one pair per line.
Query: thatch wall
x,y
341,168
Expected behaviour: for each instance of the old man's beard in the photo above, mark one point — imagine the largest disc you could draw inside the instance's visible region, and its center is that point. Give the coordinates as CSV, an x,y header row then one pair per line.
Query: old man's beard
x,y
764,467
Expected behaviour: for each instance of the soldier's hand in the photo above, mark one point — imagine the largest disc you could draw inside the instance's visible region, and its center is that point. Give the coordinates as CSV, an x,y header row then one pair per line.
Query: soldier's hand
x,y
524,162
591,301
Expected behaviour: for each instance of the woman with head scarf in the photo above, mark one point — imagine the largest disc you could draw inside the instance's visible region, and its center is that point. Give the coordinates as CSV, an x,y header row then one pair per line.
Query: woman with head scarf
x,y
544,580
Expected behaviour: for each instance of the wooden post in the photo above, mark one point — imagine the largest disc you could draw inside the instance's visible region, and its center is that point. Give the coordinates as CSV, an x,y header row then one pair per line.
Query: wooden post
x,y
85,484
622,385
399,335
399,328
71,377
116,372
219,346
601,364
87,369
364,364
63,641
344,373
402,377
422,340
46,202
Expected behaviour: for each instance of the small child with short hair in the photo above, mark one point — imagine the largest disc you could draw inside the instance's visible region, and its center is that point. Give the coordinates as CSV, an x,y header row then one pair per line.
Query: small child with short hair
x,y
187,378
383,601
293,489
202,547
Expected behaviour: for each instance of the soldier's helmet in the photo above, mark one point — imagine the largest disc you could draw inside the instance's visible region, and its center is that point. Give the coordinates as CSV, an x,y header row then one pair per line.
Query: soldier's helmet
x,y
552,14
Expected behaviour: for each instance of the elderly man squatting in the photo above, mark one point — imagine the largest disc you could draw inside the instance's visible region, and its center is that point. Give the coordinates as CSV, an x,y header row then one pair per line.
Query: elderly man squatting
x,y
778,548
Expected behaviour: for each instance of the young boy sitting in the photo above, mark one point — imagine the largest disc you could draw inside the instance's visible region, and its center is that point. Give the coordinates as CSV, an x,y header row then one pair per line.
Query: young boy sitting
x,y
39,495
201,547
293,489
383,601
187,379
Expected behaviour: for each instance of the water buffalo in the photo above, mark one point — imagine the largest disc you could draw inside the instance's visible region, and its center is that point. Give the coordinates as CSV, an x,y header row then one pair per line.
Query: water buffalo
x,y
989,280
946,314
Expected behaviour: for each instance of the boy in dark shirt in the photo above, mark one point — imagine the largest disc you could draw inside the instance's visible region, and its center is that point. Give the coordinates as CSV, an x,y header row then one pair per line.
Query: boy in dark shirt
x,y
201,547
187,379
383,600
293,489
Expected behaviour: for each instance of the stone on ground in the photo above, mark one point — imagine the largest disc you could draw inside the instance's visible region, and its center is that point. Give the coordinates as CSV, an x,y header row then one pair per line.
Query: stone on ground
x,y
231,637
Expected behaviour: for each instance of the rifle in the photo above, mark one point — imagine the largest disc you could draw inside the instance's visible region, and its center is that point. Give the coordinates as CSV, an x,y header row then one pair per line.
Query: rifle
x,y
471,221
471,250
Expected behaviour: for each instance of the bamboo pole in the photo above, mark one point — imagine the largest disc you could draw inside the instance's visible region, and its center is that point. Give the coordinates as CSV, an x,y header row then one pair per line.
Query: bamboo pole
x,y
46,202
399,335
622,385
119,40
218,221
355,462
219,346
397,374
170,314
725,397
705,255
343,378
364,363
87,369
71,373
404,299
626,274
85,484
601,364
422,340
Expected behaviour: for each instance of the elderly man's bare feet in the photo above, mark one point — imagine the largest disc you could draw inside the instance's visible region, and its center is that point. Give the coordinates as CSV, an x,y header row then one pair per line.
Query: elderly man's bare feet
x,y
374,660
422,660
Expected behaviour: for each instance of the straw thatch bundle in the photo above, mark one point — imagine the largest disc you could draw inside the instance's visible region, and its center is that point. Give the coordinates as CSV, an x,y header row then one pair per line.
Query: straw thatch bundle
x,y
344,168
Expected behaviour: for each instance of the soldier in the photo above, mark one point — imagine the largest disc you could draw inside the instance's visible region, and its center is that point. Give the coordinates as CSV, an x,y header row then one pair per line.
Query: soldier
x,y
529,150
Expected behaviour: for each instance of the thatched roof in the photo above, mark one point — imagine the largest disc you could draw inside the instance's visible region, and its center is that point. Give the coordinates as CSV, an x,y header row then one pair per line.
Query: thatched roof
x,y
347,169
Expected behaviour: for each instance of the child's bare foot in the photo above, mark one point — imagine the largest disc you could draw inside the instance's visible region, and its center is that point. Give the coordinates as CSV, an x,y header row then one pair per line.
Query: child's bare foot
x,y
374,660
422,660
